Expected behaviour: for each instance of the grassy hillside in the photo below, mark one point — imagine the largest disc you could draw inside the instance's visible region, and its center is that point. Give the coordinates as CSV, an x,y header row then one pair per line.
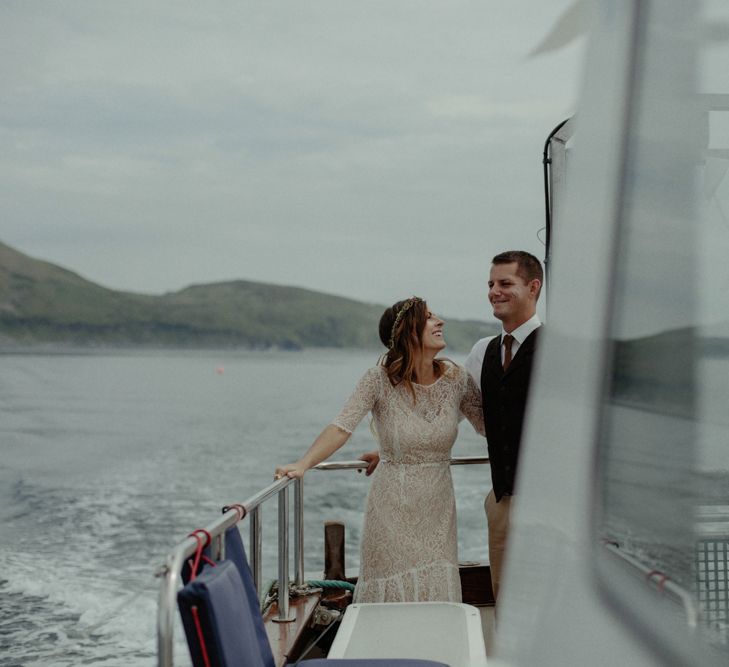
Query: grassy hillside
x,y
41,303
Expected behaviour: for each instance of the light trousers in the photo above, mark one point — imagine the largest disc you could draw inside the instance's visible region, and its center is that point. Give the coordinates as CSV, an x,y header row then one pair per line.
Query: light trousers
x,y
497,515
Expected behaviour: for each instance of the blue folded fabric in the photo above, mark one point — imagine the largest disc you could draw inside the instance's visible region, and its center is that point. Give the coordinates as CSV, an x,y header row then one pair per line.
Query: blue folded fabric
x,y
233,636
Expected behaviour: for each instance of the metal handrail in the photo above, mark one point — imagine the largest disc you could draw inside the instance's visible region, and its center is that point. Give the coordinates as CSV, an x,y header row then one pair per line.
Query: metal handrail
x,y
361,465
170,570
662,583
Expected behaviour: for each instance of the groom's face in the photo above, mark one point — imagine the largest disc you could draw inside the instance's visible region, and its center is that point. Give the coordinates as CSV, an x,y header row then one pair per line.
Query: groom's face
x,y
512,298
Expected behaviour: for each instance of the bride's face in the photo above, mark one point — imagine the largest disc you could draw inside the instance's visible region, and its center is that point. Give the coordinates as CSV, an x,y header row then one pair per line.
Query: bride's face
x,y
432,337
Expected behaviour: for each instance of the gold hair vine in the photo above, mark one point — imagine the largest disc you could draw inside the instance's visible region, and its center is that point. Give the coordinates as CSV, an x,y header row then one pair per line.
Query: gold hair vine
x,y
406,306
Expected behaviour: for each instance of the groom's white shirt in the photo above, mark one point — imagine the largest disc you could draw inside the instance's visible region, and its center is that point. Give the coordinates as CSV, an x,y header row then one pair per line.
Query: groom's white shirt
x,y
474,360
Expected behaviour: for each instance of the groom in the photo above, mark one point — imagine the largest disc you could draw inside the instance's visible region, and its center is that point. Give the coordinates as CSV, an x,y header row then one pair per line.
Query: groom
x,y
502,365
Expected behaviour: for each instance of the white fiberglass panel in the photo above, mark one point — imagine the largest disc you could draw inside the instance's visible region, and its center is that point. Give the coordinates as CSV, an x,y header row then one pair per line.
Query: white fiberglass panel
x,y
442,631
550,613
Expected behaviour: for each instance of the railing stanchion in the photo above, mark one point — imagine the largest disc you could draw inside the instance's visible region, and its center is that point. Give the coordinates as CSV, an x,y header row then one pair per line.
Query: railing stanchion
x,y
165,620
299,531
255,545
283,556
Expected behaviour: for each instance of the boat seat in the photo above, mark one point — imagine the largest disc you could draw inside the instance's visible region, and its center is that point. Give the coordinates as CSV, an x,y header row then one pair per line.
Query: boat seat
x,y
220,628
223,623
447,631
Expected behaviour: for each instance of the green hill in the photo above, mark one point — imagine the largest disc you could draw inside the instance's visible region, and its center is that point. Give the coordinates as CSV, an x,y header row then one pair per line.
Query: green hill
x,y
44,303
661,372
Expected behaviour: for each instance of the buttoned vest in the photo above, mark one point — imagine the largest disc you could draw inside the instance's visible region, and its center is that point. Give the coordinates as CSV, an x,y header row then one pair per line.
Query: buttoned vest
x,y
504,396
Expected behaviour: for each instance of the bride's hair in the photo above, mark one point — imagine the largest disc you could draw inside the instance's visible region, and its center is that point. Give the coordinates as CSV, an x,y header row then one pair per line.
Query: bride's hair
x,y
401,331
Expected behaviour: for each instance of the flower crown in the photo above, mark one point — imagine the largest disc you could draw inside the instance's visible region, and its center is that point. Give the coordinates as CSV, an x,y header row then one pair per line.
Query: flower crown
x,y
406,306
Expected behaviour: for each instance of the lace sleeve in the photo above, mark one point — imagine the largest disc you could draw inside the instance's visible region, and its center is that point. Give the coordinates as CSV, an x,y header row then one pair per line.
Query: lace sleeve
x,y
361,401
471,403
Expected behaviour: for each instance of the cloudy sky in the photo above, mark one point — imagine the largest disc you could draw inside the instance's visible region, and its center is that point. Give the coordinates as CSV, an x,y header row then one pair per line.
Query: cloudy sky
x,y
370,149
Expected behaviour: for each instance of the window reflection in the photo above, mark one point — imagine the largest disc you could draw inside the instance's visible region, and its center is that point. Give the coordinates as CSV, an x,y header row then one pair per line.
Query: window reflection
x,y
664,456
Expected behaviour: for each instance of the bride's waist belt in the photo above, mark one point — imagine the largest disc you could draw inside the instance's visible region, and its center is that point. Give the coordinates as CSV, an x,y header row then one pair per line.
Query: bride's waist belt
x,y
417,463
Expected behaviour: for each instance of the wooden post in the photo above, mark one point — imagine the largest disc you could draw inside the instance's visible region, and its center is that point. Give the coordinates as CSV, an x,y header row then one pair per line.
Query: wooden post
x,y
476,584
334,550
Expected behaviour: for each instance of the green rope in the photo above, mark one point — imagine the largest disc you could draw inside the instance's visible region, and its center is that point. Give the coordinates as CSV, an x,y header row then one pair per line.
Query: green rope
x,y
330,583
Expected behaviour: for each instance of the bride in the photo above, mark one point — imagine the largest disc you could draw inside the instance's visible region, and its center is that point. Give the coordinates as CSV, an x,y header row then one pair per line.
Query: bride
x,y
409,544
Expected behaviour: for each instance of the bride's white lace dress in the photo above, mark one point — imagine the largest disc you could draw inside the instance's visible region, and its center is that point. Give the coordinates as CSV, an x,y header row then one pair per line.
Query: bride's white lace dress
x,y
409,543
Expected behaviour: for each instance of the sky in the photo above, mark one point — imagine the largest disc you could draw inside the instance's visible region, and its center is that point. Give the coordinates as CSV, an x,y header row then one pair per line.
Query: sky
x,y
373,150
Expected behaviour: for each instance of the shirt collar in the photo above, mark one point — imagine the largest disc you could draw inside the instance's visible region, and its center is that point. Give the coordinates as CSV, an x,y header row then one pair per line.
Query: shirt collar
x,y
521,333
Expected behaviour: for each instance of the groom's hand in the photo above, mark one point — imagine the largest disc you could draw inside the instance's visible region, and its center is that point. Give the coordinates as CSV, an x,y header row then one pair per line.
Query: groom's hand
x,y
372,459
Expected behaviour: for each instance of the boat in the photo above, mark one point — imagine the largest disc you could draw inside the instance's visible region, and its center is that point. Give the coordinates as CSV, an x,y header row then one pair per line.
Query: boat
x,y
619,547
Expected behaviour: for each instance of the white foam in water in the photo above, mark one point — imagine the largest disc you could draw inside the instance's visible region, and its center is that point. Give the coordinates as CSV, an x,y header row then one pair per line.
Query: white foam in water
x,y
63,605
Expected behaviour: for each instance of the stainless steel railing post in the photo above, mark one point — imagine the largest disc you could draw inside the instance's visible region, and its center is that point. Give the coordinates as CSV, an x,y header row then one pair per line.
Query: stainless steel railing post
x,y
283,556
254,527
299,531
165,618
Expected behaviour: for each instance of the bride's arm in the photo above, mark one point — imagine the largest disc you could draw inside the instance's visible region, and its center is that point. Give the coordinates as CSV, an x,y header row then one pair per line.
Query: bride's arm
x,y
328,442
338,432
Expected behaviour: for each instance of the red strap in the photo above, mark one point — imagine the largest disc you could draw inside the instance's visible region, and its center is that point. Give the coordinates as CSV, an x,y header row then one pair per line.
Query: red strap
x,y
195,565
662,579
190,564
200,638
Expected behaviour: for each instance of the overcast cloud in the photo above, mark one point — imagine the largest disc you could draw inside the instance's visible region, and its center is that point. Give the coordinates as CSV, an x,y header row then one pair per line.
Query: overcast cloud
x,y
370,149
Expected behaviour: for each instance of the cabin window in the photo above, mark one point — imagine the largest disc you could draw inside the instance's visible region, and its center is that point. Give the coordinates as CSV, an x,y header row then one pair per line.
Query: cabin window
x,y
663,461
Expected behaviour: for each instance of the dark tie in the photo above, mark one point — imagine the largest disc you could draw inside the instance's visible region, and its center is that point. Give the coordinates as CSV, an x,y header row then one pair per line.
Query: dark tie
x,y
508,340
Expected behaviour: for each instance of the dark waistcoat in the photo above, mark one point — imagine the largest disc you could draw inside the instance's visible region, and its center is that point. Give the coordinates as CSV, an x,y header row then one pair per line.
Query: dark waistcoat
x,y
504,398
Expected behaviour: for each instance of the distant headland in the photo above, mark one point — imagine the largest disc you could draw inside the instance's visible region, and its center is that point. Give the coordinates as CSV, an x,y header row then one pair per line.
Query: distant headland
x,y
41,303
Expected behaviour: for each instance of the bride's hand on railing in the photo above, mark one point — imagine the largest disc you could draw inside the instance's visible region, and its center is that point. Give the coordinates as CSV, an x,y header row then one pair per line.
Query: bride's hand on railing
x,y
292,470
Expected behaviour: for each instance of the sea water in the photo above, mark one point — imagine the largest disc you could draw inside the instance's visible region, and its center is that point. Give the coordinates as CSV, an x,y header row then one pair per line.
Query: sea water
x,y
109,458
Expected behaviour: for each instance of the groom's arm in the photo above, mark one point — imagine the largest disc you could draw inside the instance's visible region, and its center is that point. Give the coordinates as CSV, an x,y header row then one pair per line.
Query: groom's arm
x,y
372,459
474,360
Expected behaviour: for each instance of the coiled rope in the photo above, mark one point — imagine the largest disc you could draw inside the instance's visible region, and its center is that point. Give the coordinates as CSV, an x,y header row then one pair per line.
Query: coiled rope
x,y
269,591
